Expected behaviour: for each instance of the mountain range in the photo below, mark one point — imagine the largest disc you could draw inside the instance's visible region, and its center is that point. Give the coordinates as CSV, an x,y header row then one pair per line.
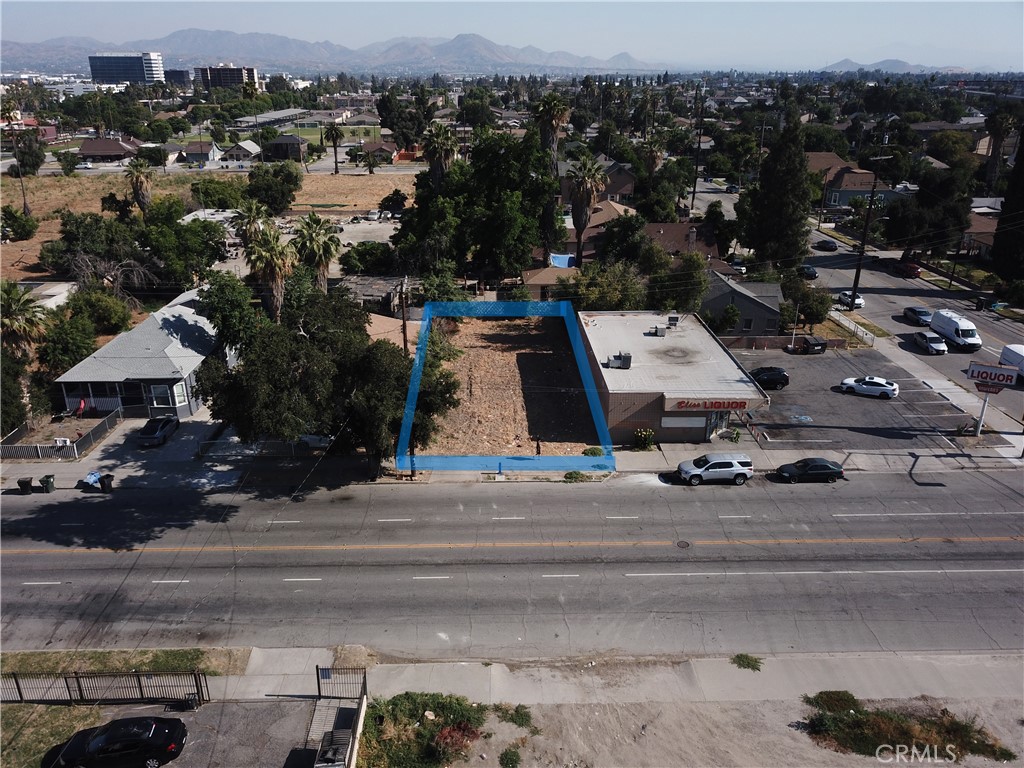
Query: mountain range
x,y
188,48
894,66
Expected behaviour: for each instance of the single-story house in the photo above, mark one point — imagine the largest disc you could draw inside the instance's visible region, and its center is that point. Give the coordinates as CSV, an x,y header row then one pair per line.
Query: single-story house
x,y
149,370
980,234
108,150
541,282
287,146
203,152
850,183
243,151
363,118
621,180
758,304
384,151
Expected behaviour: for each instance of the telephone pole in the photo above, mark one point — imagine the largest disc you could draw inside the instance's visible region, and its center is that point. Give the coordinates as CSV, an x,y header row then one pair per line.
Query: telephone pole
x,y
405,317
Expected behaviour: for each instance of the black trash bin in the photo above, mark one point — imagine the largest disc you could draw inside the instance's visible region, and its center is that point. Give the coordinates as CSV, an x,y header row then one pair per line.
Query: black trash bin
x,y
25,484
47,481
107,483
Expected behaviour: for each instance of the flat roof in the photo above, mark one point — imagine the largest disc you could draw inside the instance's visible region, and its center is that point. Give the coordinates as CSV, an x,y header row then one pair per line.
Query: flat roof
x,y
687,362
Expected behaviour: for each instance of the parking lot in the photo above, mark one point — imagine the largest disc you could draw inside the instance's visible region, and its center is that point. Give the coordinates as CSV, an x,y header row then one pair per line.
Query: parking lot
x,y
812,413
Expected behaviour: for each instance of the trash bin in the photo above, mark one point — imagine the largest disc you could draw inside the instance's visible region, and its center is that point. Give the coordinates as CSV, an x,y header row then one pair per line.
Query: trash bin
x,y
47,481
25,483
107,483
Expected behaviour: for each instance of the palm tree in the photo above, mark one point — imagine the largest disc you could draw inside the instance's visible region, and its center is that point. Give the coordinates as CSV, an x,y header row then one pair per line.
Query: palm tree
x,y
252,216
316,244
551,113
140,179
334,133
370,161
440,146
22,318
588,179
271,260
999,125
7,110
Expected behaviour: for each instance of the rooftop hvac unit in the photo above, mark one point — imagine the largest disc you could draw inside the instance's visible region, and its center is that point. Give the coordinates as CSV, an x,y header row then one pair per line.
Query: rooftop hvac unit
x,y
673,321
658,330
622,360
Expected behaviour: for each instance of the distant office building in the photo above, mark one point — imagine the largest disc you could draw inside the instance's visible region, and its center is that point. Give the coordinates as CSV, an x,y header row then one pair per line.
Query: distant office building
x,y
179,77
145,68
225,77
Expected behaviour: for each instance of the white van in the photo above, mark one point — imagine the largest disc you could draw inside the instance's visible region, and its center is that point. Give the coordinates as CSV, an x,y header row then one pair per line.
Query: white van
x,y
956,329
1013,356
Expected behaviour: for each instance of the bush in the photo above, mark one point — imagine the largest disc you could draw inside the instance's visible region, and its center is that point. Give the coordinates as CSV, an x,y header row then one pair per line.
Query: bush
x,y
746,661
643,439
575,476
510,758
20,226
107,312
519,715
833,701
1012,293
593,451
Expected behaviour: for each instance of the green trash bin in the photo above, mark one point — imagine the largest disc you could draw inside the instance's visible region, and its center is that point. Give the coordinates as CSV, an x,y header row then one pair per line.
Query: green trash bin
x,y
25,484
47,481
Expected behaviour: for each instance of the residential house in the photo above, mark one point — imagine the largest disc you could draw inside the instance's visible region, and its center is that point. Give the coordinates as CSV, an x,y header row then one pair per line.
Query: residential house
x,y
684,237
620,186
850,183
384,151
108,150
202,152
287,146
364,118
243,151
542,282
149,370
977,239
600,215
758,305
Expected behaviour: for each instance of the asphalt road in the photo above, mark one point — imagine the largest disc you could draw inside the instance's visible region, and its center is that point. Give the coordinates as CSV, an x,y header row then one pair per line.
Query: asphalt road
x,y
631,566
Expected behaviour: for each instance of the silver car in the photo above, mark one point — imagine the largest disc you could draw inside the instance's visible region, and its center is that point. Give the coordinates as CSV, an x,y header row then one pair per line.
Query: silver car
x,y
736,468
930,342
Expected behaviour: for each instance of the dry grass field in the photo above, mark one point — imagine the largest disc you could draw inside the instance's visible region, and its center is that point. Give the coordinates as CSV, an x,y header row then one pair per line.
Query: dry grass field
x,y
48,194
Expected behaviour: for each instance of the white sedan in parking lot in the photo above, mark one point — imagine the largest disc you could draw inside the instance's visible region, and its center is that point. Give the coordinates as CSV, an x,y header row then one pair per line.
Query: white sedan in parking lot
x,y
875,386
846,298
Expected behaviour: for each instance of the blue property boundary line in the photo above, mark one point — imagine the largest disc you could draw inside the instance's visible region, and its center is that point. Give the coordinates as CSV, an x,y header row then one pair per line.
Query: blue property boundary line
x,y
603,463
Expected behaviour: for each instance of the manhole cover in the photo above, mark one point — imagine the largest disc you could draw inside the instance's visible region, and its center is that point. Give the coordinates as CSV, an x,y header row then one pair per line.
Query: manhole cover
x,y
682,544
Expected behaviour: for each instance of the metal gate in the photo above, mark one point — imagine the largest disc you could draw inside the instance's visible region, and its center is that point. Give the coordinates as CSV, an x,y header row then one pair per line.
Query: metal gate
x,y
190,687
340,682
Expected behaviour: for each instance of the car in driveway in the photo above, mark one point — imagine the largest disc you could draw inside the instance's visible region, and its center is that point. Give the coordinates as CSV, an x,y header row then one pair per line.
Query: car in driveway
x,y
83,166
156,431
847,299
905,269
875,386
918,315
735,468
826,245
930,342
770,377
139,742
732,189
807,272
739,265
811,470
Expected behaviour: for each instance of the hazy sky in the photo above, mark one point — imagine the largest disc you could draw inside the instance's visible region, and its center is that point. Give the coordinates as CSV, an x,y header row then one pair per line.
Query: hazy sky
x,y
756,35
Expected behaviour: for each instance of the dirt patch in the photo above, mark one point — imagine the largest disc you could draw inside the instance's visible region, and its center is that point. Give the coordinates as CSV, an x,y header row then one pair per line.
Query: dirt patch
x,y
521,391
48,194
355,656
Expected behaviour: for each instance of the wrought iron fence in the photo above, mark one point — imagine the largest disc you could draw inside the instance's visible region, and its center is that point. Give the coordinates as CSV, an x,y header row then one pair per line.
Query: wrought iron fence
x,y
340,682
59,450
100,687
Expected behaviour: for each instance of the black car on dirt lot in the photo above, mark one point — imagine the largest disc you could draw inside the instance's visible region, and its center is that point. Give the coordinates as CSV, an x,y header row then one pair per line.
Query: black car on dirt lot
x,y
136,742
810,470
770,377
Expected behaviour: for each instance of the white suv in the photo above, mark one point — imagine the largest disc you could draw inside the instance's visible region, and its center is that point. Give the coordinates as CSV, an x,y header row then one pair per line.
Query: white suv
x,y
733,467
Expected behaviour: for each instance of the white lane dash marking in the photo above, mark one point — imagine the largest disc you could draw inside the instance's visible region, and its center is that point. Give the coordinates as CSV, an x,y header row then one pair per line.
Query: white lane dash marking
x,y
921,514
282,522
508,518
170,581
41,583
826,573
394,520
731,517
430,578
560,576
302,579
622,517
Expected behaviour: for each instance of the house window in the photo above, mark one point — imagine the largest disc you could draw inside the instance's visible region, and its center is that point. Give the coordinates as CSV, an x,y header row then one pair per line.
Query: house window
x,y
771,324
180,398
748,324
833,199
159,394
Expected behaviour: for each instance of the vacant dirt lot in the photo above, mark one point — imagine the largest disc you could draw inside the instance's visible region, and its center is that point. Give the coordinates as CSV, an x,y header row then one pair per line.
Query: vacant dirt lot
x,y
48,194
521,391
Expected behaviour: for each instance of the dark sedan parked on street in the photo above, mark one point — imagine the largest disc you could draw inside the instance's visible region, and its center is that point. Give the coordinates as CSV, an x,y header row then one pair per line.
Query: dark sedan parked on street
x,y
146,742
811,469
156,431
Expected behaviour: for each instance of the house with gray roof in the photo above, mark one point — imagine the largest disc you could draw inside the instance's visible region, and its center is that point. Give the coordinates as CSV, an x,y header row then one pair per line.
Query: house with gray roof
x,y
243,151
148,371
758,304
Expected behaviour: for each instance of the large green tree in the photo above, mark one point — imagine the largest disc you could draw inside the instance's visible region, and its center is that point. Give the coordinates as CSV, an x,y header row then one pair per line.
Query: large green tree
x,y
275,185
682,288
774,211
1008,245
140,178
68,342
270,260
316,245
22,319
597,287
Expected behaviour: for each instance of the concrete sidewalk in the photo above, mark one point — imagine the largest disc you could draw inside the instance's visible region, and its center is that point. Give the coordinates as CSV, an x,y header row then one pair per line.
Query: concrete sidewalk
x,y
274,673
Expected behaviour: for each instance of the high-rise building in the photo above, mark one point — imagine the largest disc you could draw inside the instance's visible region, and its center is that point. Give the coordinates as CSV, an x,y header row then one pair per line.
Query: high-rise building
x,y
225,77
179,77
146,68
